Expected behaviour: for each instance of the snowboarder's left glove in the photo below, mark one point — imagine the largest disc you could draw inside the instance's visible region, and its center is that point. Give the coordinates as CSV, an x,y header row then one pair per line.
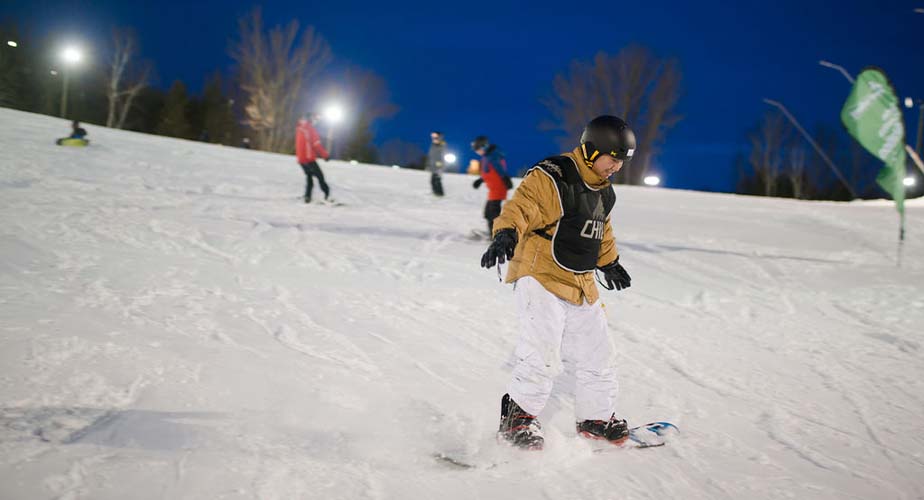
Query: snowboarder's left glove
x,y
508,182
616,276
501,249
477,183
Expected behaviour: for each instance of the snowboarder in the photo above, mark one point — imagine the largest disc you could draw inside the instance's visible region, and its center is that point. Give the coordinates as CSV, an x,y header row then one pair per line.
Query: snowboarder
x,y
493,170
555,232
436,161
308,148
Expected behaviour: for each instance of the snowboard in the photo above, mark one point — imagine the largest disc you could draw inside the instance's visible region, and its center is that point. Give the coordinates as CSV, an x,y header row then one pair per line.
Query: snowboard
x,y
651,435
327,203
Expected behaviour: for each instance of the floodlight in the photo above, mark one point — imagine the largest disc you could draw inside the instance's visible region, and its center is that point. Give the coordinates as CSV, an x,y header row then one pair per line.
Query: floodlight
x,y
71,55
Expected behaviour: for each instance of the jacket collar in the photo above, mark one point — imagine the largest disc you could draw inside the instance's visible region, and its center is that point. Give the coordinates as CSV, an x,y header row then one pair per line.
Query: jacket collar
x,y
587,174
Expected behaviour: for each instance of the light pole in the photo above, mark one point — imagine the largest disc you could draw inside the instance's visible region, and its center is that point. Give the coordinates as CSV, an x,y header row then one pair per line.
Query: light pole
x,y
811,141
334,115
71,56
837,67
910,103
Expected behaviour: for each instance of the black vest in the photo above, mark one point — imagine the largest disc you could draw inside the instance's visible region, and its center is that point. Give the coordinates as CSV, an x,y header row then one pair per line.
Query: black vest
x,y
578,234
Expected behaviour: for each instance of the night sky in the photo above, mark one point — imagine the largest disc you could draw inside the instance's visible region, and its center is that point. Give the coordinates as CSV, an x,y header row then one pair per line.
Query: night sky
x,y
480,67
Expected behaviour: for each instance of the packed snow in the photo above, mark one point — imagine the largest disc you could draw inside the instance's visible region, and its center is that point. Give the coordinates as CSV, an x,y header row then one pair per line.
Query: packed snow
x,y
176,324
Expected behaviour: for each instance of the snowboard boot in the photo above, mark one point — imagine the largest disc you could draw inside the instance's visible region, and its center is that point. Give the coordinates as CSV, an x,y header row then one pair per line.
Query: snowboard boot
x,y
614,430
307,199
519,428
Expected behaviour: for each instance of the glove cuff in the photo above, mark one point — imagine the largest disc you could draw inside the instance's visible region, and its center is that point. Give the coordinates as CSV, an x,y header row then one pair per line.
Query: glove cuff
x,y
610,265
507,231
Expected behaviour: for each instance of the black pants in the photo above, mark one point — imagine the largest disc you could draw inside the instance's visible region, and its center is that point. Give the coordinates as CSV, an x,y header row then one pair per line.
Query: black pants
x,y
491,210
312,170
436,182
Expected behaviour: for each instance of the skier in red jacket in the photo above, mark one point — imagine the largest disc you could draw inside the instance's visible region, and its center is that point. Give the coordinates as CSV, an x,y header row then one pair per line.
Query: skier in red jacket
x,y
308,149
494,175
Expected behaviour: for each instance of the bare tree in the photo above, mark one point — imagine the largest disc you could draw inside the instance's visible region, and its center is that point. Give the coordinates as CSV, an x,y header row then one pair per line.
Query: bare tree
x,y
795,171
119,93
403,153
274,68
368,93
634,84
860,167
766,157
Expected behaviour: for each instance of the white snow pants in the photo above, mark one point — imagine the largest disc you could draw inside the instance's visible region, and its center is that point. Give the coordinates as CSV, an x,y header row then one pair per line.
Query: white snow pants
x,y
552,329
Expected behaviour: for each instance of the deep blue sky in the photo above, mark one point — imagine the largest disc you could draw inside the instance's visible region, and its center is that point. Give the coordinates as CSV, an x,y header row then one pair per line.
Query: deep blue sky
x,y
480,67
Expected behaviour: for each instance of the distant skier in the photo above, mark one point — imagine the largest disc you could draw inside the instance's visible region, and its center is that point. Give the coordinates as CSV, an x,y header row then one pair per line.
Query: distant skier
x,y
308,149
78,136
555,232
493,170
436,162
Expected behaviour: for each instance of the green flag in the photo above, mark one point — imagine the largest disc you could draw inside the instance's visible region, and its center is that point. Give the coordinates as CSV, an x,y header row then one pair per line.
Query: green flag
x,y
872,116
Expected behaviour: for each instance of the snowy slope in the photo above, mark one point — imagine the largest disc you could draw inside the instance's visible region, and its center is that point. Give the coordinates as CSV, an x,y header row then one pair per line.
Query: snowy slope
x,y
175,323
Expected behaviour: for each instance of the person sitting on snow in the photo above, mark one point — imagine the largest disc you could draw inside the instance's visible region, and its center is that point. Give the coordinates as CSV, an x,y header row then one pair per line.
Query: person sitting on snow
x,y
77,137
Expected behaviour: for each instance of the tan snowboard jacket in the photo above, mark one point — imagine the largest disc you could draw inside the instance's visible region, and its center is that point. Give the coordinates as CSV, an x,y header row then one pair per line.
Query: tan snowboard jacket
x,y
535,205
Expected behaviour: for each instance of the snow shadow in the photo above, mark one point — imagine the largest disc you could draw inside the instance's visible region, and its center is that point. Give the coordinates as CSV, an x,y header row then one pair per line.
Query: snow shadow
x,y
378,231
146,429
655,248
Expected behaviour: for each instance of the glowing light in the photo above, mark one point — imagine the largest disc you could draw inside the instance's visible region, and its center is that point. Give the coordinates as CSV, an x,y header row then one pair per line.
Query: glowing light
x,y
450,158
53,73
908,181
909,102
333,113
11,43
652,180
71,55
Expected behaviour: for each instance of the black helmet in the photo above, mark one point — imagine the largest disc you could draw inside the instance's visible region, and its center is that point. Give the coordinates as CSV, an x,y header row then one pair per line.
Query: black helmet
x,y
608,135
479,143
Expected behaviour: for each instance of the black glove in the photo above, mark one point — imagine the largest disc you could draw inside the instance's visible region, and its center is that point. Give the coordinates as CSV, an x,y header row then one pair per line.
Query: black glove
x,y
508,182
477,183
616,276
501,249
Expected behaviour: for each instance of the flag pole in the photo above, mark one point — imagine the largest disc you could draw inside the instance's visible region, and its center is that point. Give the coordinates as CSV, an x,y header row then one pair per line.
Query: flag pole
x,y
911,153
